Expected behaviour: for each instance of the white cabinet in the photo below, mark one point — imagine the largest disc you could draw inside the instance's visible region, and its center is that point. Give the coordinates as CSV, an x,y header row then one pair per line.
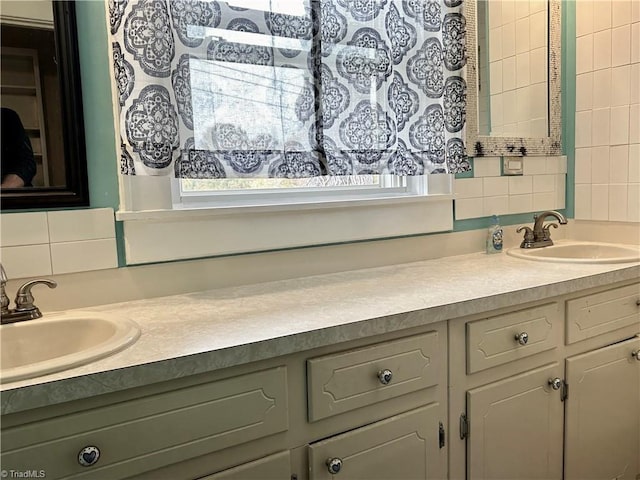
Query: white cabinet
x,y
516,427
404,447
514,423
603,413
273,467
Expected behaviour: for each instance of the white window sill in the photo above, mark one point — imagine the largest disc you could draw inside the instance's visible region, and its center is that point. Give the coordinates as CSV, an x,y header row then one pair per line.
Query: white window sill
x,y
165,235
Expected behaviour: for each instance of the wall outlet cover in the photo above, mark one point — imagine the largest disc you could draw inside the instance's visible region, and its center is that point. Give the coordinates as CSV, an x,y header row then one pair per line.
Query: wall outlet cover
x,y
512,166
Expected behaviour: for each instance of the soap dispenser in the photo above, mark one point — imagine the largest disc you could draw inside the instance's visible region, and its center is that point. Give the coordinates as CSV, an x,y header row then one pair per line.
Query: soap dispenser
x,y
494,236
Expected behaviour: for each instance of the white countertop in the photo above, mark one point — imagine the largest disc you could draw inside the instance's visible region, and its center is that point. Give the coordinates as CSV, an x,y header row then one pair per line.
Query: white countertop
x,y
205,331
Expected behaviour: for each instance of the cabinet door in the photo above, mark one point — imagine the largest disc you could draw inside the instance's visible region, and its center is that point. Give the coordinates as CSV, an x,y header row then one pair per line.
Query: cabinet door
x,y
515,428
603,414
404,447
273,467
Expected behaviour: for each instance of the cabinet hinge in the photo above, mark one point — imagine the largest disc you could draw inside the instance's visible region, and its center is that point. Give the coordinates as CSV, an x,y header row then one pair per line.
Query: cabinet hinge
x,y
564,393
464,426
441,435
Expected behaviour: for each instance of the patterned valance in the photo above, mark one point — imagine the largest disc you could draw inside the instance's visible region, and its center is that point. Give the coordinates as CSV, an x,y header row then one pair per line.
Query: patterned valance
x,y
289,88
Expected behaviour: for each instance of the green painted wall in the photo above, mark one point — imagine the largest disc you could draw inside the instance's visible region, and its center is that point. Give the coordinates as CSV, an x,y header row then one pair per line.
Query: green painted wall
x,y
96,97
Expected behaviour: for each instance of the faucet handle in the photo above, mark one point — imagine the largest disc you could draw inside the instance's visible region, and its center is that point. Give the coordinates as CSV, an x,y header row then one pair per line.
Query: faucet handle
x,y
4,300
529,237
24,298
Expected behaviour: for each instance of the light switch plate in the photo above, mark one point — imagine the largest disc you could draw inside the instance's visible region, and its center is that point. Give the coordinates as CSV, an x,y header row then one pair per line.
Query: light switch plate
x,y
512,165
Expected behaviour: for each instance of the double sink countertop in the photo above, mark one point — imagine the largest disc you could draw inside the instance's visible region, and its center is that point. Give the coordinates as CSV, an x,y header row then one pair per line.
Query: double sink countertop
x,y
205,331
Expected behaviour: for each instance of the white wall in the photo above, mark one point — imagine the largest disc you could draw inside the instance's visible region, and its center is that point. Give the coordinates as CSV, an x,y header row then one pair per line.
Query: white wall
x,y
608,110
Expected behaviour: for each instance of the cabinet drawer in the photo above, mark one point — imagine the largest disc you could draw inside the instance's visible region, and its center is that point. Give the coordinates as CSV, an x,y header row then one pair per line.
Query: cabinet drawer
x,y
602,312
341,382
404,447
273,467
152,432
493,341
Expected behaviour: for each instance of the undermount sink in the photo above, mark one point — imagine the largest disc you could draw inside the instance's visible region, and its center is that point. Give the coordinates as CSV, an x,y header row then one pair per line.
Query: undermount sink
x,y
61,341
570,251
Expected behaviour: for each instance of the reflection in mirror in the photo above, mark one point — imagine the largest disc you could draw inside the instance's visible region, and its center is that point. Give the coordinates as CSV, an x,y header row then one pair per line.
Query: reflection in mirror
x,y
512,74
513,77
43,157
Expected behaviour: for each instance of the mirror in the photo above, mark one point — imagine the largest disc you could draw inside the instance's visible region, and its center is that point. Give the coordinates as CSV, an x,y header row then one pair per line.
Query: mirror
x,y
43,147
513,77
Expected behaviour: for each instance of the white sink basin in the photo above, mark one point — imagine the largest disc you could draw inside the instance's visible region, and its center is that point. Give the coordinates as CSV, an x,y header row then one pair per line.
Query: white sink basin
x,y
60,341
569,251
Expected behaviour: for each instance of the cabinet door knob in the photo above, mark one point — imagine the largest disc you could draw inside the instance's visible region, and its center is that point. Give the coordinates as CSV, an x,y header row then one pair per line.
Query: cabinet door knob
x,y
88,456
522,338
636,355
555,383
334,465
385,376
638,302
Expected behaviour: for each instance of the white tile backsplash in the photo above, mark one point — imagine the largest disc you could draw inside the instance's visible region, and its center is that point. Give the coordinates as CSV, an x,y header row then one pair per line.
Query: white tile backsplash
x,y
521,203
633,202
621,80
495,186
599,202
23,229
618,195
619,164
584,54
584,91
499,195
635,42
75,225
621,39
544,183
607,167
69,257
601,15
486,167
520,185
600,126
602,88
26,261
602,49
583,202
619,125
583,165
46,243
620,12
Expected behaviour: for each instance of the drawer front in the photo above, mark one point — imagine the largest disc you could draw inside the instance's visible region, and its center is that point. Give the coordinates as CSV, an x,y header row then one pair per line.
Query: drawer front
x,y
341,382
602,312
404,447
152,432
273,467
492,341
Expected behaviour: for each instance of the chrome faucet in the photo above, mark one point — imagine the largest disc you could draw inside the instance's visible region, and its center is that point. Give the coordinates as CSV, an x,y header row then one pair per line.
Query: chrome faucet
x,y
25,309
540,236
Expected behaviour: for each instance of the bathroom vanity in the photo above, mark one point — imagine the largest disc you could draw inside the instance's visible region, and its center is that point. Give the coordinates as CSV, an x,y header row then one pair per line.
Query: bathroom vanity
x,y
463,367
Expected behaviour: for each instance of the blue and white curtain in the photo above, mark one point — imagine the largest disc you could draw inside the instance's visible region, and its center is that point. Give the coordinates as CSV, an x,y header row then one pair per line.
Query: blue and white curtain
x,y
289,88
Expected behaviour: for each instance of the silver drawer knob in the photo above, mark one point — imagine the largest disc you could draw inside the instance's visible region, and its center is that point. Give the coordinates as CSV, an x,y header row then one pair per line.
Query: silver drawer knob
x,y
522,338
636,355
334,465
385,376
89,456
555,383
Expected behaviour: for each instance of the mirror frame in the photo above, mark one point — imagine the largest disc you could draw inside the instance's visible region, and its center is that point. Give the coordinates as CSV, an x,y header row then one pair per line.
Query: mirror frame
x,y
488,146
76,191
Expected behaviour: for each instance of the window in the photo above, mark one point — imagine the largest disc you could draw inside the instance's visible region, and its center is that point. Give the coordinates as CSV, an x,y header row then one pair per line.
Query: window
x,y
265,103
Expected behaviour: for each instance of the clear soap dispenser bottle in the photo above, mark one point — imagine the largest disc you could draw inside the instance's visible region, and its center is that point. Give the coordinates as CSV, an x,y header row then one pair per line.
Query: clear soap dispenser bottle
x,y
494,236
